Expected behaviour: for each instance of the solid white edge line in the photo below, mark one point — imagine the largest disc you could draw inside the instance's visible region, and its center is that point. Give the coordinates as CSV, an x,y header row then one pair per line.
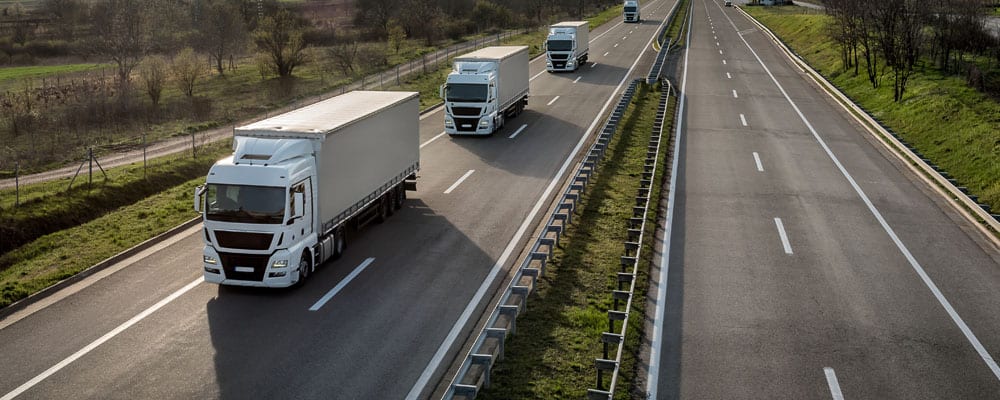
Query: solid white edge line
x,y
518,131
971,337
656,342
784,236
553,100
463,319
743,119
831,380
578,79
433,139
95,344
459,181
756,160
340,286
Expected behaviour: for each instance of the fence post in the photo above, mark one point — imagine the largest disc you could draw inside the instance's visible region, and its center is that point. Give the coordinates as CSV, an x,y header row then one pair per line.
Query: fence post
x,y
90,169
194,153
144,155
424,58
17,184
397,74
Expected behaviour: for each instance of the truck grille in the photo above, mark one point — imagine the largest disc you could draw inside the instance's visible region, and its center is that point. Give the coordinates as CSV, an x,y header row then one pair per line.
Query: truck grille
x,y
558,56
559,65
244,240
257,262
473,111
466,124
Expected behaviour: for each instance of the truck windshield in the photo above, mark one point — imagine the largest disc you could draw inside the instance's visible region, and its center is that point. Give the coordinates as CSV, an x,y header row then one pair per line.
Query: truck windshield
x,y
465,92
560,45
629,8
246,204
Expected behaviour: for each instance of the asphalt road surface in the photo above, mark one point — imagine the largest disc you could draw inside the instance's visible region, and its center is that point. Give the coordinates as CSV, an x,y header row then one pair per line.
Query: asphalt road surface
x,y
149,328
805,261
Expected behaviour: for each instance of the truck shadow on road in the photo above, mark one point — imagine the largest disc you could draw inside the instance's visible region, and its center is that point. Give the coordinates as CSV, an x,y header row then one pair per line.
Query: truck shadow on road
x,y
372,339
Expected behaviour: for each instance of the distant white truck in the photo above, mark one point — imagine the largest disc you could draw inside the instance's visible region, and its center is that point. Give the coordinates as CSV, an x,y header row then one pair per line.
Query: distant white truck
x,y
280,205
485,88
567,46
630,11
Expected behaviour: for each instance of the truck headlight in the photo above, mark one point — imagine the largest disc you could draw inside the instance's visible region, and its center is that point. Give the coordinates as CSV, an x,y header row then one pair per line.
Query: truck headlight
x,y
449,123
209,260
279,264
485,123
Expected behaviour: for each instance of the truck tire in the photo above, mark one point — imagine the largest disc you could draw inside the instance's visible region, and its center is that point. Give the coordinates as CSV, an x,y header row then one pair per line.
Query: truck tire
x,y
384,209
339,243
305,267
399,198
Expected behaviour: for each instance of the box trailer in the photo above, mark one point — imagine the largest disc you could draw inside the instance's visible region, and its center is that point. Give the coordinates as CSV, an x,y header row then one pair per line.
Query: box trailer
x,y
485,88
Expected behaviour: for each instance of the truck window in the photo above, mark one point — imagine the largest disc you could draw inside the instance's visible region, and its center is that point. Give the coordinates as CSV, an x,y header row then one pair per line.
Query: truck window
x,y
560,45
298,188
245,203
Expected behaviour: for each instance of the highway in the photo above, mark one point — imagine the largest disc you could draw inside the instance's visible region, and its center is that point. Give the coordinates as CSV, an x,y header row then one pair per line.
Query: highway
x,y
805,261
400,303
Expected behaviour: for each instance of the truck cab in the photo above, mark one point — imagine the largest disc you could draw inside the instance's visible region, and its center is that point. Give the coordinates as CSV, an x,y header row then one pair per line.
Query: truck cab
x,y
259,216
566,47
470,93
630,11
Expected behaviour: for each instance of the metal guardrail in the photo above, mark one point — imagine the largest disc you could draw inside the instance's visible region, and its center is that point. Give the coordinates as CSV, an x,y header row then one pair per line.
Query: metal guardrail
x,y
629,259
657,69
489,345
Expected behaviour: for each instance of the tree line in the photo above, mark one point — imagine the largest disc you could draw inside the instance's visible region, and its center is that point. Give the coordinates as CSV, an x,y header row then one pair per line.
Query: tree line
x,y
893,38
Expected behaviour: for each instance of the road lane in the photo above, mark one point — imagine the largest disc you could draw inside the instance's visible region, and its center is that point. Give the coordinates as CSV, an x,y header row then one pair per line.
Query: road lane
x,y
744,316
374,338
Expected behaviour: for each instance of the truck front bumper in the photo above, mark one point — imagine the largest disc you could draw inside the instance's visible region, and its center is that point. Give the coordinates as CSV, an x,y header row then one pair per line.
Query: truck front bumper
x,y
249,269
468,126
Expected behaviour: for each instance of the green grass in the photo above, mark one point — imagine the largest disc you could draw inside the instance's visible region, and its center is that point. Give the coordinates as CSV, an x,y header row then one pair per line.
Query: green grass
x,y
558,337
956,127
14,73
66,232
679,25
604,16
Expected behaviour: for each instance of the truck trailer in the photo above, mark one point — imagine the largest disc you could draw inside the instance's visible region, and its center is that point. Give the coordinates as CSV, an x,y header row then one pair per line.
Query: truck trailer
x,y
484,89
630,11
567,46
280,205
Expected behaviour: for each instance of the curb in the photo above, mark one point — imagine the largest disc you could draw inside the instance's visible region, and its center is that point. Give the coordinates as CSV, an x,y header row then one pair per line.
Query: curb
x,y
31,299
962,202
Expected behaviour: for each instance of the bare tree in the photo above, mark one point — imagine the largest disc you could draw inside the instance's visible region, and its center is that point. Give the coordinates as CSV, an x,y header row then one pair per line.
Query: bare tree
x,y
186,69
343,56
423,19
153,71
396,35
65,14
280,37
122,35
222,31
375,15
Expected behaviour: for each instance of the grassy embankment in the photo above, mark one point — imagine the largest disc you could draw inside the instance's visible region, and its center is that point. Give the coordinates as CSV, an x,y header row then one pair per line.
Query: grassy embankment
x,y
558,337
105,229
119,214
15,73
953,125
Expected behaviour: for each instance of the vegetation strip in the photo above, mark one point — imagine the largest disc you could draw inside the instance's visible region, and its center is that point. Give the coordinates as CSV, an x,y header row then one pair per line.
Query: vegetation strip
x,y
553,354
944,120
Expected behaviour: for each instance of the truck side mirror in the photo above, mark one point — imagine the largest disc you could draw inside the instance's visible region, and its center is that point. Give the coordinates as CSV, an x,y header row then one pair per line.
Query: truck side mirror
x,y
198,193
441,92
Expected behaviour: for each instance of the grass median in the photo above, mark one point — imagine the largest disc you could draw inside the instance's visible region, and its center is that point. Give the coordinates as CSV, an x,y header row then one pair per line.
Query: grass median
x,y
558,337
953,125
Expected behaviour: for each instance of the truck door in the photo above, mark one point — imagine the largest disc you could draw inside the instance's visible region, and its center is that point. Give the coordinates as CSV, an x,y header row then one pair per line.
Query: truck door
x,y
303,226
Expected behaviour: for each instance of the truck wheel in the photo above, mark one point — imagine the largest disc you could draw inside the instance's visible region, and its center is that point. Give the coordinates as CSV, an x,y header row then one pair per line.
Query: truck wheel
x,y
339,243
304,268
384,210
399,198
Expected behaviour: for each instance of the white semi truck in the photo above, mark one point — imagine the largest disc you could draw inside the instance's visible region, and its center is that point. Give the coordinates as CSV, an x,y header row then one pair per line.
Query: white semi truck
x,y
485,88
281,204
567,46
631,11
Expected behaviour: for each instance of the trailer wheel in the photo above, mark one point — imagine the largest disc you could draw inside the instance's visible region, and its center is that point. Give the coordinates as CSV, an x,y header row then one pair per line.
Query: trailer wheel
x,y
384,210
399,198
305,268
